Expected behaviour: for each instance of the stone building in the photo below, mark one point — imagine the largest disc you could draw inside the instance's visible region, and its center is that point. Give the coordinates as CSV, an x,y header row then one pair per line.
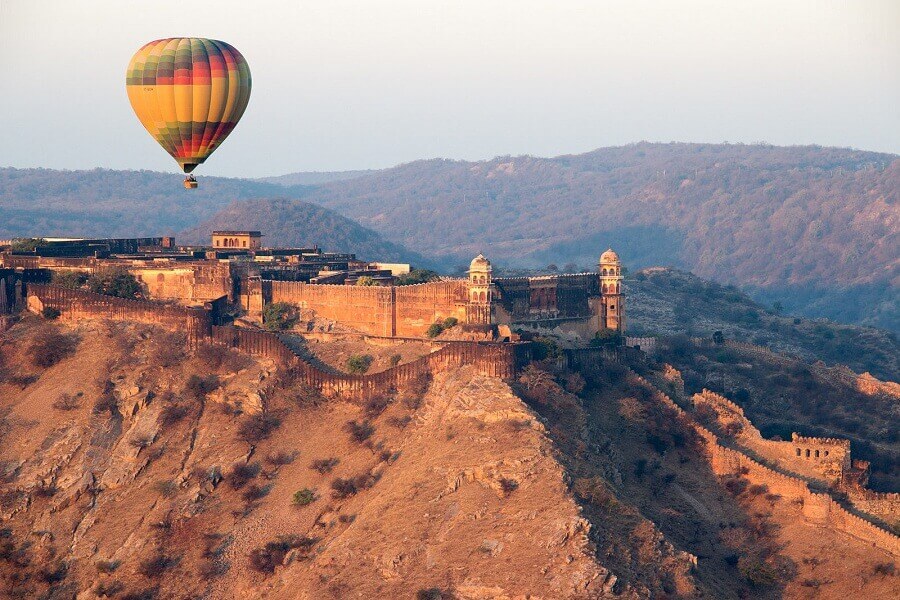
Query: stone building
x,y
478,309
244,240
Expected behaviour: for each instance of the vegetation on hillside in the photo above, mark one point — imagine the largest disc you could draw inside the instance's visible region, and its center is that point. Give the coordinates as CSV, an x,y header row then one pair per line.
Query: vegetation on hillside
x,y
671,302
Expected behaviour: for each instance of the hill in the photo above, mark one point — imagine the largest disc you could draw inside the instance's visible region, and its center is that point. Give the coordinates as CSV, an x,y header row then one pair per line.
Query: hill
x,y
814,228
669,302
294,223
314,177
105,203
160,472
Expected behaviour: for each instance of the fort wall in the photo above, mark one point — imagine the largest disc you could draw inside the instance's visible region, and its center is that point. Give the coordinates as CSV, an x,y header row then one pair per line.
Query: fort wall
x,y
817,508
366,308
76,304
501,360
420,305
821,459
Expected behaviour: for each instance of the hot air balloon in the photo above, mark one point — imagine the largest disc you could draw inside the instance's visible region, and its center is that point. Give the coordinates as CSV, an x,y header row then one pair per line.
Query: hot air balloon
x,y
189,93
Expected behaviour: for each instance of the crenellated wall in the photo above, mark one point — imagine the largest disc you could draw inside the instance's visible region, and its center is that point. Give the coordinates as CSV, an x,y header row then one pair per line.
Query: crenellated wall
x,y
490,358
76,304
822,459
817,508
418,306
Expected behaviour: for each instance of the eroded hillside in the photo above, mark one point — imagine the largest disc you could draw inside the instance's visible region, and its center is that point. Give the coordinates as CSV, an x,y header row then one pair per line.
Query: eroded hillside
x,y
132,468
129,468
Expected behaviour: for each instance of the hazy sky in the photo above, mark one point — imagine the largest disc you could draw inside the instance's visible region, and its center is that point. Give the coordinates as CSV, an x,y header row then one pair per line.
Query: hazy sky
x,y
350,85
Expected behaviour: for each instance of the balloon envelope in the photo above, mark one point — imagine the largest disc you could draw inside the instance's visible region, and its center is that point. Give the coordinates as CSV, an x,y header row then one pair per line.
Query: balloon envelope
x,y
189,93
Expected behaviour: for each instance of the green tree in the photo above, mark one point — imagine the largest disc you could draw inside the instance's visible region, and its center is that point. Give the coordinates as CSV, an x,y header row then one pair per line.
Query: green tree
x,y
359,363
607,337
115,282
279,316
417,276
365,281
69,279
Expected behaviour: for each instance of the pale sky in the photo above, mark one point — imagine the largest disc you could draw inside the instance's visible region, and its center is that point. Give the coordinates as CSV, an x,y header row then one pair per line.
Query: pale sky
x,y
352,85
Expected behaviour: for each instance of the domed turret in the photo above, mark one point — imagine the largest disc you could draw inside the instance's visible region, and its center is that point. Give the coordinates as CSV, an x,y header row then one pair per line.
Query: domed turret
x,y
613,300
480,264
479,306
610,257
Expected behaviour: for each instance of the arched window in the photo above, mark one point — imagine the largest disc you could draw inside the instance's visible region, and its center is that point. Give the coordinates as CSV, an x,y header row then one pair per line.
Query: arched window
x,y
817,454
798,452
826,453
245,243
807,453
604,271
217,243
617,288
482,296
605,288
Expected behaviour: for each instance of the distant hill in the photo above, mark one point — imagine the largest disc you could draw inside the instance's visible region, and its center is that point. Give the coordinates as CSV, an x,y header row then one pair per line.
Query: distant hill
x,y
295,223
671,302
814,228
108,203
314,177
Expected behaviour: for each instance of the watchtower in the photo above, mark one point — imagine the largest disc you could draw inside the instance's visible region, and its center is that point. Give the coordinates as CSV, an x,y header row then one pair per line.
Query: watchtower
x,y
479,308
612,299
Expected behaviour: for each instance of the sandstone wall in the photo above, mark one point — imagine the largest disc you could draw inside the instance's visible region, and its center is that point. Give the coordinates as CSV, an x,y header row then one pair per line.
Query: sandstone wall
x,y
76,304
418,306
817,508
366,308
822,459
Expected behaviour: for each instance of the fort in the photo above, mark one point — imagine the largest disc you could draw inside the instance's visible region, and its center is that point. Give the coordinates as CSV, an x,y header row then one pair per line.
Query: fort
x,y
195,291
365,297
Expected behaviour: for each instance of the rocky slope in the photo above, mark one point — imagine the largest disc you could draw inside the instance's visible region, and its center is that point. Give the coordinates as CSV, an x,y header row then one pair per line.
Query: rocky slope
x,y
130,468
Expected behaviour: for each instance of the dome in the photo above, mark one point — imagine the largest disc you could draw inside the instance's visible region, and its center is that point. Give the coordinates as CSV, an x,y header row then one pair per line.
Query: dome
x,y
480,263
609,256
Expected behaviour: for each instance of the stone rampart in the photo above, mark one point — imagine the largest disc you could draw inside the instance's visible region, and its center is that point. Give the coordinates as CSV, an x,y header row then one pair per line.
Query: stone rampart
x,y
418,306
818,508
77,304
822,459
492,359
369,309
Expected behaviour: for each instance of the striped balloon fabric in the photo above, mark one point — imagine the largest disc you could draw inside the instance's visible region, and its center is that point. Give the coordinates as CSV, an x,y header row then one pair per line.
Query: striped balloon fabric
x,y
189,93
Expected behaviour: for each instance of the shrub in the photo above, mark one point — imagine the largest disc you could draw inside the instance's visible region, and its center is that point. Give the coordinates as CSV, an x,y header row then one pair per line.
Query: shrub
x,y
109,589
399,422
55,575
607,337
376,405
365,281
344,488
258,427
432,594
108,566
115,282
168,350
885,568
271,555
395,360
67,402
360,431
279,316
242,473
256,492
544,348
359,363
508,485
304,497
417,276
165,487
281,458
106,403
50,347
450,322
758,572
73,280
324,465
198,387
172,414
156,565
434,330
50,313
